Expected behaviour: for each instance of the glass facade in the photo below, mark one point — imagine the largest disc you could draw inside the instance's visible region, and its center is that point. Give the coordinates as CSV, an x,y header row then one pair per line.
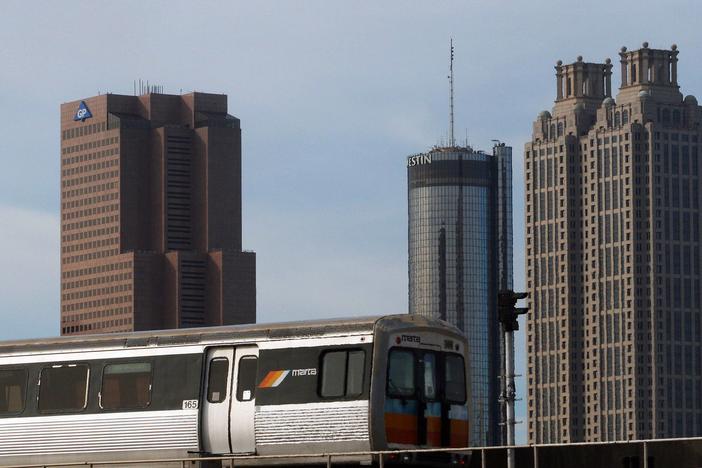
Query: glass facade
x,y
460,253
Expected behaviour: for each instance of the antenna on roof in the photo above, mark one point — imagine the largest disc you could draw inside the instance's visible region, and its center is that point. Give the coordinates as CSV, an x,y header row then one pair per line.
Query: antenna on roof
x,y
452,141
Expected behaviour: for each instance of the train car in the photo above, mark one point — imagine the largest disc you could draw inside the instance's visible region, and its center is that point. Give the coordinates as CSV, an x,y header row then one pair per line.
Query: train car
x,y
334,386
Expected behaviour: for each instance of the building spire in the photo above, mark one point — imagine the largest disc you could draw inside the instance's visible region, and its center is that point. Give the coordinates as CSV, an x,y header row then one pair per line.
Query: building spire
x,y
452,141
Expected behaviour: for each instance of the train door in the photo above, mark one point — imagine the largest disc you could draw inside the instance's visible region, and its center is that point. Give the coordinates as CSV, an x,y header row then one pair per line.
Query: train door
x,y
431,407
243,405
216,402
228,407
401,402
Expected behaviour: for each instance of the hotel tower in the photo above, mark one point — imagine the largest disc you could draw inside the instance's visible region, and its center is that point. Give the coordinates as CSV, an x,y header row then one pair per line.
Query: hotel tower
x,y
614,335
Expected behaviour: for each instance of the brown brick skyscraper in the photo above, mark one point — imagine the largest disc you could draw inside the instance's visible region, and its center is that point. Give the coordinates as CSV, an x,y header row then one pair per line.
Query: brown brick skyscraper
x,y
613,255
151,215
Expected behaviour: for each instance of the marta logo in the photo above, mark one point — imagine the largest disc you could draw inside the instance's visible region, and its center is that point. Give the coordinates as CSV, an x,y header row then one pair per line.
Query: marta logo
x,y
83,112
273,378
276,377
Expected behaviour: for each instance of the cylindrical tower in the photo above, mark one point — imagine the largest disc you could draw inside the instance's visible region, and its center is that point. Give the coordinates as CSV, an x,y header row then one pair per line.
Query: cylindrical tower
x,y
460,233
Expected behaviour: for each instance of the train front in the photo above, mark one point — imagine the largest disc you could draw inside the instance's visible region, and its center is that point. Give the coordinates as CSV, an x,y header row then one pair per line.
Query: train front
x,y
420,392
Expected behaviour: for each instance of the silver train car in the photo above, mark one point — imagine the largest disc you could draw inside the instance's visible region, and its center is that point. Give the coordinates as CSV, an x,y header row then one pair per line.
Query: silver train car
x,y
334,386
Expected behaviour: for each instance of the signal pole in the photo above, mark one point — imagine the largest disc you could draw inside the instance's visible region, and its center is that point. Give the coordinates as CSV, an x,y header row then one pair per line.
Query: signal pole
x,y
508,315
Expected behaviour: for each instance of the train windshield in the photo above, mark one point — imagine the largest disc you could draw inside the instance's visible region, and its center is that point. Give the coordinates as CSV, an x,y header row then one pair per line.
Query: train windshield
x,y
455,379
403,364
401,373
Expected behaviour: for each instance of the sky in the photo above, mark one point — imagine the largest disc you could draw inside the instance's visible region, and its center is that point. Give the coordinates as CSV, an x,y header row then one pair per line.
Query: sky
x,y
332,97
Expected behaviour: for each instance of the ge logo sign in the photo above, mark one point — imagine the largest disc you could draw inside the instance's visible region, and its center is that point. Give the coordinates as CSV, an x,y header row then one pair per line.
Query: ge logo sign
x,y
83,112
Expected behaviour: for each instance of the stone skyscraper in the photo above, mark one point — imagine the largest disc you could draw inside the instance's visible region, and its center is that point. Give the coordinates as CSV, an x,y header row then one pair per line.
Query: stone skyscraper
x,y
613,255
151,215
460,256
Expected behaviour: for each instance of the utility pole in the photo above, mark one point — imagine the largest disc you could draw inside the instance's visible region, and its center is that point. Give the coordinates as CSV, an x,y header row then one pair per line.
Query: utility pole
x,y
508,314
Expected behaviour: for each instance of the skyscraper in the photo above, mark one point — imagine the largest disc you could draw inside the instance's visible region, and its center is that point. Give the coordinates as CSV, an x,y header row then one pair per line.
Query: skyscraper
x,y
613,255
151,215
460,255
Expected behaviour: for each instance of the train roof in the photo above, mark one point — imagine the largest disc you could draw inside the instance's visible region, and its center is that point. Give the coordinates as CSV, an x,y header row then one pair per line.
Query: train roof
x,y
194,336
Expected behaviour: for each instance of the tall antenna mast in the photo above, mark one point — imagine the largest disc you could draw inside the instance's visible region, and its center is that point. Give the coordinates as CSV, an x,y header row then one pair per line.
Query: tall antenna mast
x,y
452,141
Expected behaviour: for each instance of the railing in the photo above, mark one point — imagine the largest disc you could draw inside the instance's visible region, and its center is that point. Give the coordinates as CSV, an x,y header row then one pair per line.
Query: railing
x,y
665,452
324,458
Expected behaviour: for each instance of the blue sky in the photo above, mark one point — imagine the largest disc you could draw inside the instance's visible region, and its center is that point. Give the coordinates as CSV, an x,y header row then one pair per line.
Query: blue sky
x,y
332,96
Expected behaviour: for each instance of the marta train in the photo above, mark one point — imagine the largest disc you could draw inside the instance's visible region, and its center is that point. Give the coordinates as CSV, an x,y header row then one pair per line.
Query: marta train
x,y
336,386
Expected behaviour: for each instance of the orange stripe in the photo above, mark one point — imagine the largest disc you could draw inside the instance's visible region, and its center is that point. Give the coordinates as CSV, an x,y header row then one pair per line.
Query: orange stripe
x,y
433,431
269,379
459,433
401,428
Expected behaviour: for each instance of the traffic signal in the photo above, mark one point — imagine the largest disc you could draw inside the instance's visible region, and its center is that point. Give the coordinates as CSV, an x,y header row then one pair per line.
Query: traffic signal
x,y
508,313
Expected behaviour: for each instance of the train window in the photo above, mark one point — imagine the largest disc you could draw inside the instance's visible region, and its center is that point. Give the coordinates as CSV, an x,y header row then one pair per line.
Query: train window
x,y
63,388
342,373
455,385
13,388
354,373
429,364
333,374
126,386
246,379
217,380
401,373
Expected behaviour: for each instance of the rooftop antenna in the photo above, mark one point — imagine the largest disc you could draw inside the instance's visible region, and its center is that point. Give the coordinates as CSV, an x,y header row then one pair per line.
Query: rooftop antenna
x,y
452,141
